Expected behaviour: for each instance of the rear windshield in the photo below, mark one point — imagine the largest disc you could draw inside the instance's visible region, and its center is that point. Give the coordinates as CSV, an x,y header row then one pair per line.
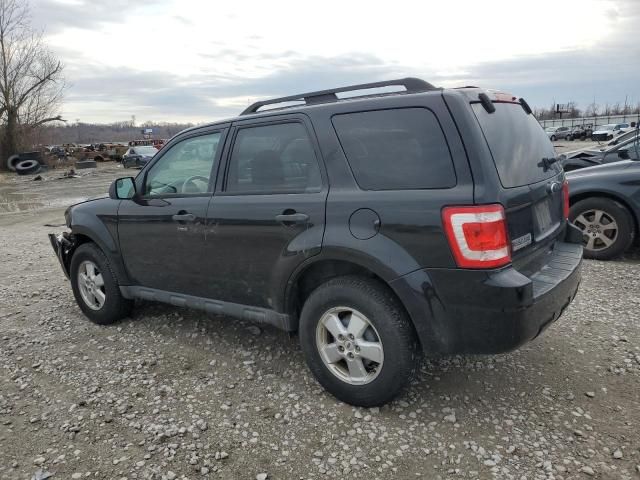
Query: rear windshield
x,y
518,143
397,149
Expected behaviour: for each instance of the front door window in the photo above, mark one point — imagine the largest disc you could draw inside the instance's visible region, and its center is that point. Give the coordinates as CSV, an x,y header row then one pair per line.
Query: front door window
x,y
184,169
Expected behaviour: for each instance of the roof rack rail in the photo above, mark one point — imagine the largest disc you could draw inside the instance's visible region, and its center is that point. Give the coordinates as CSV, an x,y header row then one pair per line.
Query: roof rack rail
x,y
411,85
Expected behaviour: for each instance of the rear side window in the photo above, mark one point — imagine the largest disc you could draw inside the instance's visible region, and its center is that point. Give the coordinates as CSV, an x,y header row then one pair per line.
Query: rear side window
x,y
400,149
518,144
273,159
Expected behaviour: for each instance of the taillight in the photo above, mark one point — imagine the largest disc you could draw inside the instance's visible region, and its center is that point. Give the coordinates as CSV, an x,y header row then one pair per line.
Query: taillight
x,y
565,199
477,235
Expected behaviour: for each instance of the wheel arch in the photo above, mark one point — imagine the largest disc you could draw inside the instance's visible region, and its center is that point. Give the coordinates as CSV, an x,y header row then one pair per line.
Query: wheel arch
x,y
83,235
312,275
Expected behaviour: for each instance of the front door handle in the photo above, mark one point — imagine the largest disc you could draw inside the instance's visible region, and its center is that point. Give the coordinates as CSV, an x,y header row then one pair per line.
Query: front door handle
x,y
184,217
291,218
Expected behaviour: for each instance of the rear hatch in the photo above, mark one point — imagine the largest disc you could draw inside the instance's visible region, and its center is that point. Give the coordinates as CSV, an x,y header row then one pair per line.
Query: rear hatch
x,y
532,188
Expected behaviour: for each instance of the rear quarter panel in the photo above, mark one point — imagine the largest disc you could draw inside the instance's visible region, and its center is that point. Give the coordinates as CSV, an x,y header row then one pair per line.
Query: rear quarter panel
x,y
410,234
620,180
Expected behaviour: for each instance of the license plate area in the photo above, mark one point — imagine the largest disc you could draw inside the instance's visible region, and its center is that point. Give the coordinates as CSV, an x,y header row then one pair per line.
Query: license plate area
x,y
542,218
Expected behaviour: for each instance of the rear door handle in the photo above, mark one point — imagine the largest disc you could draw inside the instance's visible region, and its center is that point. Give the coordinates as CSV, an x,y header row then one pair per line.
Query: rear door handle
x,y
184,217
290,218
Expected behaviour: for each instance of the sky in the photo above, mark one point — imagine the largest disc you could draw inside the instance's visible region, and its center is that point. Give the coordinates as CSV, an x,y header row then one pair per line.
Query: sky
x,y
203,60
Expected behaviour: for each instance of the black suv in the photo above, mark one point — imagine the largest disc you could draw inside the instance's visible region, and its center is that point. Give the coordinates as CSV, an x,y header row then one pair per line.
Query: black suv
x,y
377,226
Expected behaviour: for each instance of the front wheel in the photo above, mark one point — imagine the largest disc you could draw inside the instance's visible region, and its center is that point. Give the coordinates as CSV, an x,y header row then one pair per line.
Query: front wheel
x,y
358,341
95,286
553,138
607,227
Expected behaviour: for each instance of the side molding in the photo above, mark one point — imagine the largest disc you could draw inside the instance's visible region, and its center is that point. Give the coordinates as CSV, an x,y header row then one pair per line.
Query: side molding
x,y
216,307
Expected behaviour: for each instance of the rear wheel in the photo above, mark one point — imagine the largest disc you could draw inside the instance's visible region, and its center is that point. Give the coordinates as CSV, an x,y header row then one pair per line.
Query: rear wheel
x,y
95,286
358,341
607,227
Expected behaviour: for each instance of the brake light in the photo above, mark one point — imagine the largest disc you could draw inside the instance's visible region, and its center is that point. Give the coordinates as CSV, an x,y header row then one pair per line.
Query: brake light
x,y
565,199
477,235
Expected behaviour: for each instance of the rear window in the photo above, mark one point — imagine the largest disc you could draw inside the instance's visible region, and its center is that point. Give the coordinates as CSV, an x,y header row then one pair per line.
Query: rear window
x,y
518,143
398,149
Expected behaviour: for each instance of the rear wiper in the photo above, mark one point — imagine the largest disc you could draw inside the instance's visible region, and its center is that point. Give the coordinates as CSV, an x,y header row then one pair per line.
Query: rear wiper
x,y
546,162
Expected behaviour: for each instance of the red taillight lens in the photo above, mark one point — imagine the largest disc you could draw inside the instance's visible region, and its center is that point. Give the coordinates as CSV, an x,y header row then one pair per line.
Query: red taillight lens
x,y
477,235
565,199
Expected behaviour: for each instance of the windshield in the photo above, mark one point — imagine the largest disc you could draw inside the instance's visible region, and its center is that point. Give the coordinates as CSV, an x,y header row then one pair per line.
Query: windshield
x,y
606,127
517,143
146,150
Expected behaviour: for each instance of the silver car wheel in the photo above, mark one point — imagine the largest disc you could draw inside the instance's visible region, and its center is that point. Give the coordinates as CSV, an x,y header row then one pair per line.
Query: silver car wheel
x,y
349,345
599,229
91,285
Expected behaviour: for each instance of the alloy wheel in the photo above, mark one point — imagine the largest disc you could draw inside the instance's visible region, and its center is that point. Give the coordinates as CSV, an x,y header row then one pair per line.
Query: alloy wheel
x,y
349,345
599,229
91,285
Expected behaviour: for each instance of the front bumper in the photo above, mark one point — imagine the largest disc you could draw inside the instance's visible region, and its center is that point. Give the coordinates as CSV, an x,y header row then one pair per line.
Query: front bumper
x,y
480,312
63,247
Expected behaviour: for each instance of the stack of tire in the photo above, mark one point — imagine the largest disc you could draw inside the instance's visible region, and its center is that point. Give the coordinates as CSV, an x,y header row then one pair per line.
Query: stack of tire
x,y
24,163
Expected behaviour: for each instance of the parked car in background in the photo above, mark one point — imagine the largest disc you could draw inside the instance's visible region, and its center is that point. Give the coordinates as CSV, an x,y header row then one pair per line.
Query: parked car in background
x,y
580,132
591,157
607,132
605,206
629,133
138,156
557,133
422,241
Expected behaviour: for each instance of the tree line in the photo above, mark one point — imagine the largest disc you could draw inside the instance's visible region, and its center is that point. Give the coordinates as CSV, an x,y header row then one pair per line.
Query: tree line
x,y
591,110
84,133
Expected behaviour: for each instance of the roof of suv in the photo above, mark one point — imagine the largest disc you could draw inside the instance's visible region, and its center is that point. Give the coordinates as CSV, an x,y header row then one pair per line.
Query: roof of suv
x,y
302,101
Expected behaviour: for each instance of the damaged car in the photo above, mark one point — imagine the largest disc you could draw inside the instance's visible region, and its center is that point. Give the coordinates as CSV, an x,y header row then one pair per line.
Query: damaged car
x,y
591,157
290,215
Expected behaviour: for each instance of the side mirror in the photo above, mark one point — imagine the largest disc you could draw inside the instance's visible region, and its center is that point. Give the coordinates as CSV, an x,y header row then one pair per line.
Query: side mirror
x,y
122,188
624,154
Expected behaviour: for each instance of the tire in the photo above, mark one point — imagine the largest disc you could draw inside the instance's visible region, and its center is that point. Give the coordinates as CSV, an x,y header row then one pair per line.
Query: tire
x,y
553,138
12,161
115,306
584,214
351,298
27,167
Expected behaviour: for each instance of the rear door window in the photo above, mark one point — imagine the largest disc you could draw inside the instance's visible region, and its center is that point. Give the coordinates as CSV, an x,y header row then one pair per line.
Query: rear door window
x,y
276,158
518,144
398,149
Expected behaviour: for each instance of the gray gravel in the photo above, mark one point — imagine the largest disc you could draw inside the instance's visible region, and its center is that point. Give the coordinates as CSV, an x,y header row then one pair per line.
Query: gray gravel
x,y
173,394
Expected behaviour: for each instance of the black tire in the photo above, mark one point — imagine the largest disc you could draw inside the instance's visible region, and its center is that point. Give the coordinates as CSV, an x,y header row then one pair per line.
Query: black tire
x,y
27,167
392,326
12,161
115,306
553,138
612,210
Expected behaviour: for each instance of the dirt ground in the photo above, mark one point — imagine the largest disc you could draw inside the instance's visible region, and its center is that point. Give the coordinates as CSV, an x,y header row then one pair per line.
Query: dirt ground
x,y
173,393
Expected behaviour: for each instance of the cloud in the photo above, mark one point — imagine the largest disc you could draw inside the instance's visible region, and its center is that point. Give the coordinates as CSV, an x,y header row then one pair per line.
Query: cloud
x,y
191,70
57,15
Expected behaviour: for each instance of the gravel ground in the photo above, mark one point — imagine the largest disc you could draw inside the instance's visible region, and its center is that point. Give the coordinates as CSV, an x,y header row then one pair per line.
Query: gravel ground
x,y
176,393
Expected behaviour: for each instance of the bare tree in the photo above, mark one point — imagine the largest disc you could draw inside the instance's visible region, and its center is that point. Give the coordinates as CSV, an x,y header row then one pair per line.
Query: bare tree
x,y
31,80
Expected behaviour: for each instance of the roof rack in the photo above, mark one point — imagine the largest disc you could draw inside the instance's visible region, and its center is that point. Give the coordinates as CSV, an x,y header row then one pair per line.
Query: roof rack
x,y
411,85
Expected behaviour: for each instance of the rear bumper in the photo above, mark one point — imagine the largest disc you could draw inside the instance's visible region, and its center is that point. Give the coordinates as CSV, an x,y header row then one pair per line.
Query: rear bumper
x,y
466,311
